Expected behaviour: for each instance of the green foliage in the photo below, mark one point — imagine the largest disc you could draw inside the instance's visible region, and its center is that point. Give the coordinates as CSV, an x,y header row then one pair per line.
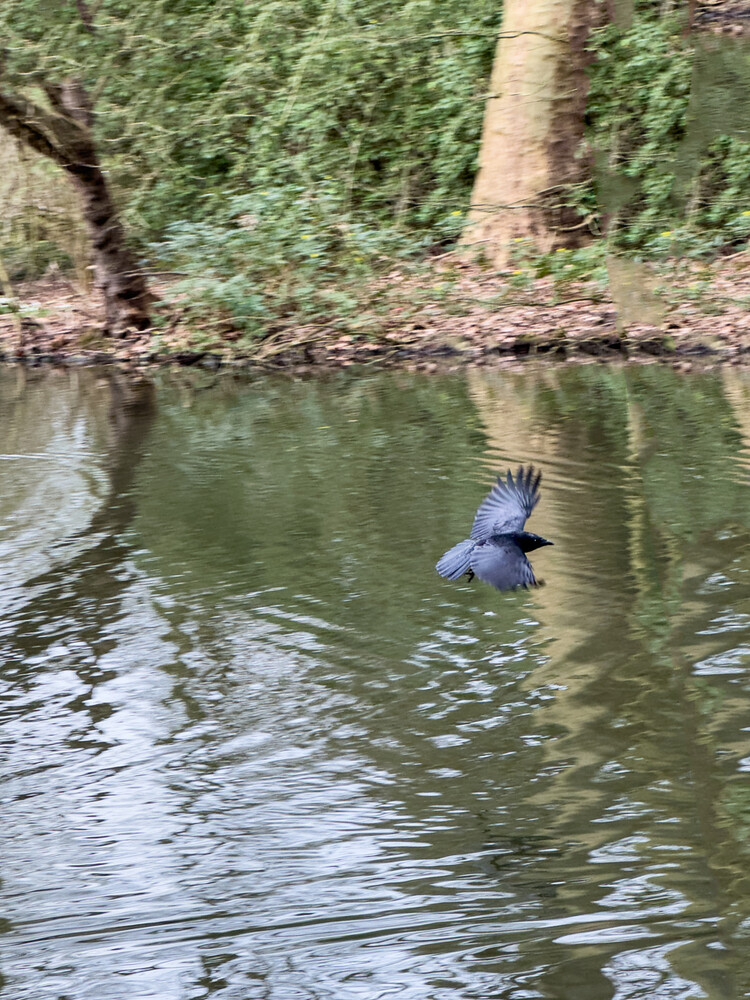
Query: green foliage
x,y
360,121
667,118
387,101
566,268
281,153
640,89
283,252
203,98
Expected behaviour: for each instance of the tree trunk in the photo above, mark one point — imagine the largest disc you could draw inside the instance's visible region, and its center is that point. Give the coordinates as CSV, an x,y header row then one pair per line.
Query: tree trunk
x,y
530,155
65,136
123,287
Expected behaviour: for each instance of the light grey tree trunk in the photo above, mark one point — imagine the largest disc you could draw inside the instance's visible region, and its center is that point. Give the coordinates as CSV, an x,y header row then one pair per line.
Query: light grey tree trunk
x,y
531,151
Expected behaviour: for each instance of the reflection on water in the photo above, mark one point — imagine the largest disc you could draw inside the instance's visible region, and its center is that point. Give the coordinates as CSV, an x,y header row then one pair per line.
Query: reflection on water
x,y
253,746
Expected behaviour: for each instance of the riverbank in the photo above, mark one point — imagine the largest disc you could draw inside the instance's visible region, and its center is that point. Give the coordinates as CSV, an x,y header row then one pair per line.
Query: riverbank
x,y
453,314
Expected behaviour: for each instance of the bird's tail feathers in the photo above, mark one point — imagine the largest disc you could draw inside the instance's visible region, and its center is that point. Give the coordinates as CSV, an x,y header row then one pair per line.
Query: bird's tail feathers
x,y
456,561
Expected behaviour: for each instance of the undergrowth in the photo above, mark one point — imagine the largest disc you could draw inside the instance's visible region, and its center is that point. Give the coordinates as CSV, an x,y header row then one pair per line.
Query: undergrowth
x,y
284,157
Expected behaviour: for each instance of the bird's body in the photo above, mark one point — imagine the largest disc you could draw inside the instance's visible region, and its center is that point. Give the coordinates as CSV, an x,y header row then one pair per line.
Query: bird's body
x,y
496,550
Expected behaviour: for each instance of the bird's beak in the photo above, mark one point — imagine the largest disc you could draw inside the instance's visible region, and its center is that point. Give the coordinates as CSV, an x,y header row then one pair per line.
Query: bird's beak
x,y
548,542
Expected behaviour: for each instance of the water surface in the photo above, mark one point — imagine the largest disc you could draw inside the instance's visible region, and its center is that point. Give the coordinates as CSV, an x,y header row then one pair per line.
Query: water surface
x,y
253,747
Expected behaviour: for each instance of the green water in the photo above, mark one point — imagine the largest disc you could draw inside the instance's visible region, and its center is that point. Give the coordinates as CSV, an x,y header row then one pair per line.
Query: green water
x,y
252,746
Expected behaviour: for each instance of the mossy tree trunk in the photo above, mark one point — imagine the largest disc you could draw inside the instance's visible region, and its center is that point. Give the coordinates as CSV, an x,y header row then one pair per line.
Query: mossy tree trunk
x,y
531,155
64,134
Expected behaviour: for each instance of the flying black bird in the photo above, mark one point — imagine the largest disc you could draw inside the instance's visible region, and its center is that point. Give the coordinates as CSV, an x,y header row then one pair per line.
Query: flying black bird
x,y
496,550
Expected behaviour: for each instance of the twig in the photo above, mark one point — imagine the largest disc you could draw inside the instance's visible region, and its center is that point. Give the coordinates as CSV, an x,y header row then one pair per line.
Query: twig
x,y
551,305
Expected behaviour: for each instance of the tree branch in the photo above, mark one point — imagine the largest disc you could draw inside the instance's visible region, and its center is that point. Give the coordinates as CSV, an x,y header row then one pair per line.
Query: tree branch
x,y
24,120
61,136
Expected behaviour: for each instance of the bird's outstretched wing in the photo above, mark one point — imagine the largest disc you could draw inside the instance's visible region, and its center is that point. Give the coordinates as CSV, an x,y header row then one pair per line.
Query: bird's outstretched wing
x,y
507,505
502,564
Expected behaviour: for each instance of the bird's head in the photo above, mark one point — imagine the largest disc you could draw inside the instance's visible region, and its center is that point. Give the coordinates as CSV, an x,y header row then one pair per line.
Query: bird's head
x,y
528,541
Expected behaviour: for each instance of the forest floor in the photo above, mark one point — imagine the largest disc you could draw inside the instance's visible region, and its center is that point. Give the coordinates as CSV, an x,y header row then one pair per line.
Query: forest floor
x,y
448,315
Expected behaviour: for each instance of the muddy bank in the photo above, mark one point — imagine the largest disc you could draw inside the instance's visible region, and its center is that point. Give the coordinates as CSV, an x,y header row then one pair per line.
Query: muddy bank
x,y
456,314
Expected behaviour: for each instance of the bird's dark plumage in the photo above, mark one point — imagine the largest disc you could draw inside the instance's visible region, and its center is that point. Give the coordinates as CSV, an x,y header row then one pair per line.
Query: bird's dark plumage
x,y
495,552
